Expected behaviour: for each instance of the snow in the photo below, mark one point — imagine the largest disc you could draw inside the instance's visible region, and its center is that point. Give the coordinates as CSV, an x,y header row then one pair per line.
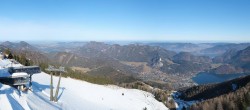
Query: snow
x,y
5,102
75,94
4,73
180,104
176,105
10,99
19,74
234,87
5,63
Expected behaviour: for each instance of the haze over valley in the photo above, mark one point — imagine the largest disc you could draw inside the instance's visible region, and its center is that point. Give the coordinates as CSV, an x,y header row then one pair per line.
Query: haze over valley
x,y
125,55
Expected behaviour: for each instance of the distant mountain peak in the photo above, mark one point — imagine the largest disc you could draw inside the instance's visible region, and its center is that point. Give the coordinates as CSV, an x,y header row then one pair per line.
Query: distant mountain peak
x,y
23,42
7,43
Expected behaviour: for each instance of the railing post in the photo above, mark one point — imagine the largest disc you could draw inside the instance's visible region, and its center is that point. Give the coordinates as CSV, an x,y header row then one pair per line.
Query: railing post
x,y
51,87
60,70
57,89
30,83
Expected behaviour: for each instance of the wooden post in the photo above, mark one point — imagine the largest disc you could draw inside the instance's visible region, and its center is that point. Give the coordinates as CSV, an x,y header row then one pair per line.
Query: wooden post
x,y
51,87
57,89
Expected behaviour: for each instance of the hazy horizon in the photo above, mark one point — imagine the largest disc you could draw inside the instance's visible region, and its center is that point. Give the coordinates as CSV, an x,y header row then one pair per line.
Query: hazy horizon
x,y
120,42
127,20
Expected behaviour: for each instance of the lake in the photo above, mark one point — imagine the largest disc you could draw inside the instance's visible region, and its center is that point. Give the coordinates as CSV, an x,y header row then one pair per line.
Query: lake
x,y
205,78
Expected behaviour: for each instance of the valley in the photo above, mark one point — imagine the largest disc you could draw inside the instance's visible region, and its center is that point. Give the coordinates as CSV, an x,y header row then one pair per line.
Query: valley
x,y
148,62
137,66
124,54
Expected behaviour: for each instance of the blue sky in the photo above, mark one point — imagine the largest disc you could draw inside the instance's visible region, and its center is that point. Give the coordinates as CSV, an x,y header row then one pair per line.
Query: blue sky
x,y
138,20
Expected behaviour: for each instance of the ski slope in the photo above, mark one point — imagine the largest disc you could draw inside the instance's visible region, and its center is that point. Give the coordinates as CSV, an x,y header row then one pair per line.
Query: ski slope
x,y
74,95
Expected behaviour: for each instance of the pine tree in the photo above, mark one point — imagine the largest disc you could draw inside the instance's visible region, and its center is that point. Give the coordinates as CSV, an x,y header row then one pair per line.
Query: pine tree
x,y
4,57
7,51
10,56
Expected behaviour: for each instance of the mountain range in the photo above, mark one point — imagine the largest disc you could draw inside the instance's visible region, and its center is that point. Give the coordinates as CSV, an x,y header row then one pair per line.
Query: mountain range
x,y
234,61
157,65
151,63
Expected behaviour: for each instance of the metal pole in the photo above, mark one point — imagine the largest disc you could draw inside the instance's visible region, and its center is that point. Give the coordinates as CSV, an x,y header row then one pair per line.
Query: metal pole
x,y
51,87
51,68
57,89
30,85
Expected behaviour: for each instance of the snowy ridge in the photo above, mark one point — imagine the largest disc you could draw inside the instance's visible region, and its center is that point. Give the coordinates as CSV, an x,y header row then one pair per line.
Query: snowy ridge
x,y
75,95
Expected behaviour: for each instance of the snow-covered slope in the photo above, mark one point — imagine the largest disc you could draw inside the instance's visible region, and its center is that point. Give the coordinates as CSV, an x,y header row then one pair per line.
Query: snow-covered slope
x,y
75,95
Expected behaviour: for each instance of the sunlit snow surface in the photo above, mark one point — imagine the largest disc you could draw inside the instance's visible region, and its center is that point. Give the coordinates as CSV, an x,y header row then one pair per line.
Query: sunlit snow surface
x,y
4,64
75,95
